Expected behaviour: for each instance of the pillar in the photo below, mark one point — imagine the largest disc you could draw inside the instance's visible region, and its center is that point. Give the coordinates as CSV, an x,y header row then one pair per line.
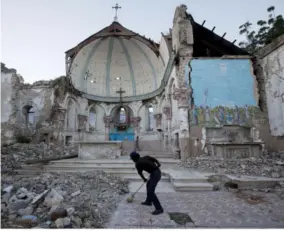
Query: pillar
x,y
167,110
107,121
158,118
135,122
182,97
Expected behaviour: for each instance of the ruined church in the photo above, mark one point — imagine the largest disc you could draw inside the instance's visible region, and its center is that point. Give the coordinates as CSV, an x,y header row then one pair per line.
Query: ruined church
x,y
193,92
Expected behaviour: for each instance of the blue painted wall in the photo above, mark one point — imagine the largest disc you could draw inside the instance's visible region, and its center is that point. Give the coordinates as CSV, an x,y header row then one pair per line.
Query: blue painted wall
x,y
220,82
120,136
117,135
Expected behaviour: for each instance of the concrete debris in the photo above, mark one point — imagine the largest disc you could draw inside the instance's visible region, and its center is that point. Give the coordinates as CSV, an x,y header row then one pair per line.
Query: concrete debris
x,y
14,155
65,200
269,165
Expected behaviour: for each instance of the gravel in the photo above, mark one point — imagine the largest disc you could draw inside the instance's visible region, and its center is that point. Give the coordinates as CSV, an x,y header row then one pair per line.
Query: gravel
x,y
65,200
14,155
269,165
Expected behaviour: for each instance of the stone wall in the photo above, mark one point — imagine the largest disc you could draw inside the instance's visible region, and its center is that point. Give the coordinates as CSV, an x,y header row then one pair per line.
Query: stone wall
x,y
224,92
25,108
272,62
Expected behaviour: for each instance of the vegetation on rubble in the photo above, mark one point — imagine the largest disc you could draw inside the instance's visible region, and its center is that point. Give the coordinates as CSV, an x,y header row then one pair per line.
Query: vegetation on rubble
x,y
267,31
23,139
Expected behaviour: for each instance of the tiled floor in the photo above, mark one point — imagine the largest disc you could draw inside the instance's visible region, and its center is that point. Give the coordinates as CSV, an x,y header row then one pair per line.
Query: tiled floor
x,y
206,209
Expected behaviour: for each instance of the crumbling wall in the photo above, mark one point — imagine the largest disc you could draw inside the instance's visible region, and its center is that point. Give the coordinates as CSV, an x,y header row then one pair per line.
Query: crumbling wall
x,y
225,92
25,108
268,68
10,81
272,62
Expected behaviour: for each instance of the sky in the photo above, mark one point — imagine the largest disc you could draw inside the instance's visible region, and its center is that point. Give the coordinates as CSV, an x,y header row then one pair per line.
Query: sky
x,y
36,33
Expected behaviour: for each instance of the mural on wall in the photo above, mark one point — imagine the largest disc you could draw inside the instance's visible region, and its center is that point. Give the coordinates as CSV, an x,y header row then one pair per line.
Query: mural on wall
x,y
223,92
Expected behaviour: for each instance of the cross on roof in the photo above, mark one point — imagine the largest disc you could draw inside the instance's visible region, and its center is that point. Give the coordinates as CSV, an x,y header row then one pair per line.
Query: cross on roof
x,y
120,92
116,7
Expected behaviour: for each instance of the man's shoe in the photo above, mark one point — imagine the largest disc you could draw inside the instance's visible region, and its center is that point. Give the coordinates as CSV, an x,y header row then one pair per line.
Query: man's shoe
x,y
157,212
146,203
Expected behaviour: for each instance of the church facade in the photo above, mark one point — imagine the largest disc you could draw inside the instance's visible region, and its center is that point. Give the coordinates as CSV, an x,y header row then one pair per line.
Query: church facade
x,y
175,96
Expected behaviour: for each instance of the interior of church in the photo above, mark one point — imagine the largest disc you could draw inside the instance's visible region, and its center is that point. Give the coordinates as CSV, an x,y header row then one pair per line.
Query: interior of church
x,y
120,86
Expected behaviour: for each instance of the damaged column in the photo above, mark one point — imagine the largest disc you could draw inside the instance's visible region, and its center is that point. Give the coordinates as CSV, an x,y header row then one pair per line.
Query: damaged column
x,y
135,122
82,128
182,97
182,41
158,118
107,121
167,110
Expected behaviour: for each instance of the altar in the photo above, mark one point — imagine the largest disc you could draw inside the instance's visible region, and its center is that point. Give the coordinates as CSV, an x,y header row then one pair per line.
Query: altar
x,y
89,150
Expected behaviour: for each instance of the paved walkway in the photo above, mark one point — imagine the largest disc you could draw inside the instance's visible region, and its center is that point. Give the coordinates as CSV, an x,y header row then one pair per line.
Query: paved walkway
x,y
206,209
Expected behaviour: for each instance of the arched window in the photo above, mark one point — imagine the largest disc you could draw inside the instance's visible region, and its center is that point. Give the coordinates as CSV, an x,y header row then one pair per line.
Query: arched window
x,y
150,118
29,115
122,115
92,119
71,115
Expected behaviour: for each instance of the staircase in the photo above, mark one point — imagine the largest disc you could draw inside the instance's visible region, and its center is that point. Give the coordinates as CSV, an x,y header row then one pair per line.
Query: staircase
x,y
180,178
156,154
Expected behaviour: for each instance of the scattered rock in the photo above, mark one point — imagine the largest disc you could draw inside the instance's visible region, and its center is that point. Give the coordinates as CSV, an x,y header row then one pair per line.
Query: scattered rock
x,y
75,193
39,197
59,223
27,221
58,213
27,211
66,222
76,221
70,211
78,200
269,165
8,189
53,198
275,175
14,155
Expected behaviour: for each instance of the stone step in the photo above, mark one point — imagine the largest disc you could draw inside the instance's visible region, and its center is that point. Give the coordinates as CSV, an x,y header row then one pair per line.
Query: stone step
x,y
118,162
152,153
157,156
187,187
122,159
189,179
137,178
116,167
29,172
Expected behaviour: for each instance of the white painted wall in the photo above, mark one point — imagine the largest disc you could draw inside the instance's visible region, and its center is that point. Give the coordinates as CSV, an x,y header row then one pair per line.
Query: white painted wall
x,y
6,96
273,66
95,60
164,51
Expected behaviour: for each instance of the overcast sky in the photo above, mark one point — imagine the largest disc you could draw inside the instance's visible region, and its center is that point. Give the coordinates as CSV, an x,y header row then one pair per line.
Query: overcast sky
x,y
36,33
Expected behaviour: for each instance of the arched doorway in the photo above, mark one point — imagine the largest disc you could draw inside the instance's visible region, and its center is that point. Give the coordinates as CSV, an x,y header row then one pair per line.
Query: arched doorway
x,y
121,129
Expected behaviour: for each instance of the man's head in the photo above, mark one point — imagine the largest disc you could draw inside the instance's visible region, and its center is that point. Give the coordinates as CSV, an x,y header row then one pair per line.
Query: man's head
x,y
134,156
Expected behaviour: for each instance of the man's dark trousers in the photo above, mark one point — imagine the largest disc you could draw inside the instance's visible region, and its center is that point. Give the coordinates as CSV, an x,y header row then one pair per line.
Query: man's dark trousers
x,y
155,177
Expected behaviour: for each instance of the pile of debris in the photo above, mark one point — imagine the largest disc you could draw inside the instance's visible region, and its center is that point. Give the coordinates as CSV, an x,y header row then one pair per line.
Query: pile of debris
x,y
269,165
65,200
14,155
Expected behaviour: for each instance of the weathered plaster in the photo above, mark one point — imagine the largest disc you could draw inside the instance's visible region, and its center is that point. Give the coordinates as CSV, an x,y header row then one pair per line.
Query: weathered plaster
x,y
273,66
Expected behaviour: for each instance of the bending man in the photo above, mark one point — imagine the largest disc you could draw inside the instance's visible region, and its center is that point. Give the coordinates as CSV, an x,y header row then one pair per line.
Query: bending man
x,y
150,165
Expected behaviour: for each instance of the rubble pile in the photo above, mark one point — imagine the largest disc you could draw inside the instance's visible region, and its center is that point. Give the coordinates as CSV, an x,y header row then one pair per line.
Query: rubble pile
x,y
269,165
14,155
65,200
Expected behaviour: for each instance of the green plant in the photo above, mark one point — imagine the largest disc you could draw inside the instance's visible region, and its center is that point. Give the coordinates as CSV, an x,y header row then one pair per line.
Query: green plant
x,y
23,139
266,33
